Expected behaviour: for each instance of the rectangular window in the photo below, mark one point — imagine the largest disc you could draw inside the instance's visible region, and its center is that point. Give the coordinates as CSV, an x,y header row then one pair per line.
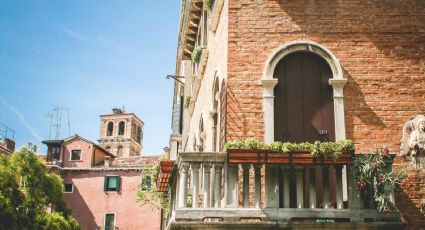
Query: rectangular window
x,y
75,155
55,153
110,221
112,184
146,185
68,187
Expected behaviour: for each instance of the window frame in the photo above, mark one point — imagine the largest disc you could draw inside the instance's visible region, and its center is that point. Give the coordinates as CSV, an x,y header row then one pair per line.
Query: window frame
x,y
72,187
119,128
106,184
70,155
52,152
115,220
111,129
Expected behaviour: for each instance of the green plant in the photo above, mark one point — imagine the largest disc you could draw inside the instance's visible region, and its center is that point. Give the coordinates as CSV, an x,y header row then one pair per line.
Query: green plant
x,y
157,200
186,101
196,54
318,149
208,4
374,182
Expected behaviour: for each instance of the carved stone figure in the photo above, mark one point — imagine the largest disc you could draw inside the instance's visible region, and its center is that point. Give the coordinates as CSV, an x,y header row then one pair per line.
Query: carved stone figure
x,y
413,140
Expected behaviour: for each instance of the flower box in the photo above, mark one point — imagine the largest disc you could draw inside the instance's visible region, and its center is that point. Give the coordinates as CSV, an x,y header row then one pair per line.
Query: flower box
x,y
301,157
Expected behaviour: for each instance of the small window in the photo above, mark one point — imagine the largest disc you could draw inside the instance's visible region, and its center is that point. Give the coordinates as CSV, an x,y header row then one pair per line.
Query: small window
x,y
75,155
68,187
55,153
110,221
121,128
146,185
112,184
110,128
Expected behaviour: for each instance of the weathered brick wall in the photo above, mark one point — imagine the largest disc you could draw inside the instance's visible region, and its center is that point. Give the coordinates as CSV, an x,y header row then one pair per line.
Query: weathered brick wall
x,y
412,195
380,45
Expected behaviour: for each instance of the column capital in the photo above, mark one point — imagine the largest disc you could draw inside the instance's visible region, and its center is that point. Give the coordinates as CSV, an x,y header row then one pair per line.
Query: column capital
x,y
338,86
184,167
218,166
207,167
269,83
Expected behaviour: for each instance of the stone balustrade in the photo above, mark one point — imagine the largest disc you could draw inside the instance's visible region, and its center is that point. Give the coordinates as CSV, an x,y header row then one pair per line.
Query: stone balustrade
x,y
207,189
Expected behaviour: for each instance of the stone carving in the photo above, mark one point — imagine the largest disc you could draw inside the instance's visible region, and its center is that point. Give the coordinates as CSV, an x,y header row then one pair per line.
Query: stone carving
x,y
413,141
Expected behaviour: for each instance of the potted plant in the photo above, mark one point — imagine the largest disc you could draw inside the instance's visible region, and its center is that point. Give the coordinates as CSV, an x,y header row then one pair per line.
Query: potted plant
x,y
254,151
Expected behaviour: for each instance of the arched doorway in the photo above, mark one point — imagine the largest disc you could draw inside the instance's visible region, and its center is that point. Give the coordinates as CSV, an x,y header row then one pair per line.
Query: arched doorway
x,y
303,105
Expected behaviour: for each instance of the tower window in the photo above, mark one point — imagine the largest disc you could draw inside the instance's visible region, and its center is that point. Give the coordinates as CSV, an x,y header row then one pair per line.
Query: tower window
x,y
110,129
121,128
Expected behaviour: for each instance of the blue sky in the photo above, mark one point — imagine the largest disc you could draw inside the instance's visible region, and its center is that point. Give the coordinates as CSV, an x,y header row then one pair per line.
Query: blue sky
x,y
88,56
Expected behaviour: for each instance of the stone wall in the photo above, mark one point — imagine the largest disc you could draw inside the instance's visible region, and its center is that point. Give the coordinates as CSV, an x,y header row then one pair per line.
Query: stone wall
x,y
380,45
216,67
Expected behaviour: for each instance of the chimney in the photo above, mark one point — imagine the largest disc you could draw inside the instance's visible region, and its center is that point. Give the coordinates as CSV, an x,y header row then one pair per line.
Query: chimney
x,y
166,152
116,111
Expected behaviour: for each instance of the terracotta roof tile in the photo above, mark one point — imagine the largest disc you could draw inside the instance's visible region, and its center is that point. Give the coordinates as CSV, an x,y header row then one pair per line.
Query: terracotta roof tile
x,y
135,161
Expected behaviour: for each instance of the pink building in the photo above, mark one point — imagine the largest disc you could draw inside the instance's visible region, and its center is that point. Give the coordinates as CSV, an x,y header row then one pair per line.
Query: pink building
x,y
100,188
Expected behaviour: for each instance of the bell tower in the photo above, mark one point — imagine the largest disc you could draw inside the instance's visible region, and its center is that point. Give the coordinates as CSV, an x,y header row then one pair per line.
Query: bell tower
x,y
121,133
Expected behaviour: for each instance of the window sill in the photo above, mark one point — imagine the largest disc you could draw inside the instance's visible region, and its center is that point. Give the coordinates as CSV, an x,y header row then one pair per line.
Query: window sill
x,y
76,160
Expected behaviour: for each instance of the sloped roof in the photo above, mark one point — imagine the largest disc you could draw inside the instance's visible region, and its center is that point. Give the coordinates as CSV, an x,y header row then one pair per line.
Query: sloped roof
x,y
136,161
90,142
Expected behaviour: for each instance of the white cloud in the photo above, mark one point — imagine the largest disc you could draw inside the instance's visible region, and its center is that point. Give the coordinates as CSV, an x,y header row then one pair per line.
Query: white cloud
x,y
22,119
107,41
73,34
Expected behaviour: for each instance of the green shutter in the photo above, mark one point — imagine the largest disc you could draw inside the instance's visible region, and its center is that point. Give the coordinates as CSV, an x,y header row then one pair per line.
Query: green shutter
x,y
105,184
118,183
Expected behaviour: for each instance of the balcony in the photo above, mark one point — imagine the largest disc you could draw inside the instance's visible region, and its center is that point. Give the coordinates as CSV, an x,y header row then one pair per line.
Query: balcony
x,y
219,190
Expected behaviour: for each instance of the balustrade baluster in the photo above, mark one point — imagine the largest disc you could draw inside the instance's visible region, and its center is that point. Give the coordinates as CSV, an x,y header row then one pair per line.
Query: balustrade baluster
x,y
258,186
339,188
286,187
246,185
217,185
332,187
299,186
207,195
319,187
312,186
195,184
184,167
306,186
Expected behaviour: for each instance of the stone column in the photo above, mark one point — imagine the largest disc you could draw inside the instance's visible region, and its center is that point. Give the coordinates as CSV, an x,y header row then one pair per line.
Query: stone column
x,y
217,186
272,186
299,185
354,199
207,194
286,187
195,183
246,185
184,167
339,188
268,108
257,185
231,185
312,187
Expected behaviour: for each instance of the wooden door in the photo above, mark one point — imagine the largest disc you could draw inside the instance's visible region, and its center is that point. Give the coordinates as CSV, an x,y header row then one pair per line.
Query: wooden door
x,y
303,106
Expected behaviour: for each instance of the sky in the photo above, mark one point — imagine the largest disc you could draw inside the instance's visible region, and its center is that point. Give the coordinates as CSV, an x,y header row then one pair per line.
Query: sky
x,y
88,56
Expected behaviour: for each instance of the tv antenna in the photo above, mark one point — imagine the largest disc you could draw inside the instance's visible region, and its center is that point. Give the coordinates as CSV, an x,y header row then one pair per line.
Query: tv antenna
x,y
56,116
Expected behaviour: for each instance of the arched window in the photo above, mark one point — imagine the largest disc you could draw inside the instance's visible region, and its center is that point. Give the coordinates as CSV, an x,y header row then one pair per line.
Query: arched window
x,y
108,148
121,128
303,106
110,128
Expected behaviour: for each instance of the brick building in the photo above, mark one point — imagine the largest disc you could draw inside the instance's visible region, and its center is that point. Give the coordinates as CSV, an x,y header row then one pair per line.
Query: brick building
x,y
280,70
101,187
